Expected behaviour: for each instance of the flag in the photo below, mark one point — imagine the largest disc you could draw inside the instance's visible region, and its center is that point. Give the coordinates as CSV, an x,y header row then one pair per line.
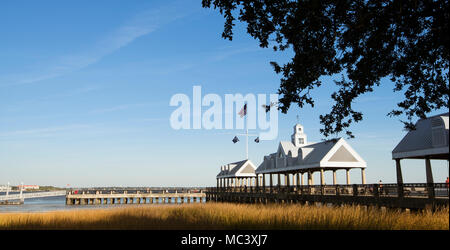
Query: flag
x,y
243,111
267,107
257,140
235,139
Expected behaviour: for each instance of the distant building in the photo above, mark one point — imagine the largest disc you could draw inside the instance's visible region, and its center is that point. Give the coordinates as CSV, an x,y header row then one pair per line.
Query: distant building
x,y
28,187
298,157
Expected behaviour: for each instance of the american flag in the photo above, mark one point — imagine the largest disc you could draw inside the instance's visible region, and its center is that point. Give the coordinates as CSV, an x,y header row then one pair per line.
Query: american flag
x,y
243,111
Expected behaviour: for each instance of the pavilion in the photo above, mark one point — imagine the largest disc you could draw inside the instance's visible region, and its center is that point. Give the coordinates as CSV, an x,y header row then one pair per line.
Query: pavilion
x,y
236,174
298,157
429,140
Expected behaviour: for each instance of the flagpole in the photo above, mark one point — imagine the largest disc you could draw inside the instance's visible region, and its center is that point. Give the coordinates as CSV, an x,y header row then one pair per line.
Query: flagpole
x,y
246,137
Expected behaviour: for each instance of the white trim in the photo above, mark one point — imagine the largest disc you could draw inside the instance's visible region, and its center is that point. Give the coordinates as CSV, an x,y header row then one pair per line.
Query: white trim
x,y
238,173
420,152
335,148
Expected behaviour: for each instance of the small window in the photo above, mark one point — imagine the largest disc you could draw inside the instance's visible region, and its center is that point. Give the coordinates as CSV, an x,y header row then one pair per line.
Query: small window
x,y
301,140
299,129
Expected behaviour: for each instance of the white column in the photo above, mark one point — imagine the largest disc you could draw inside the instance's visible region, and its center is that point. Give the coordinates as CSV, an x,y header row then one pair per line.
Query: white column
x,y
363,176
348,176
322,177
334,177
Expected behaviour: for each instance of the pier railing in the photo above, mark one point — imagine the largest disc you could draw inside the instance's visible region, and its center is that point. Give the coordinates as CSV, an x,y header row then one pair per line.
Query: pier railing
x,y
416,190
136,190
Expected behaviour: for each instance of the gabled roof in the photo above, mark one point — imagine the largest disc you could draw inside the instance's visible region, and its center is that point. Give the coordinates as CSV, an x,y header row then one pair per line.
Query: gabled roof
x,y
243,168
287,146
430,138
336,153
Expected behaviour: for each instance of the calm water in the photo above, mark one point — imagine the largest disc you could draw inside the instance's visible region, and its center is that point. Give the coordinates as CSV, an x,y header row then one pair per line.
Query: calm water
x,y
56,203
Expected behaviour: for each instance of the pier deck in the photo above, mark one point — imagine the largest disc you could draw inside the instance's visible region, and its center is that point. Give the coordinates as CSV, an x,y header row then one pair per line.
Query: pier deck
x,y
97,197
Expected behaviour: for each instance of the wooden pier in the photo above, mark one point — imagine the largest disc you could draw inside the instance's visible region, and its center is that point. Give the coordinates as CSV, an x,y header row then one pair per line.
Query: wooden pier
x,y
146,196
413,196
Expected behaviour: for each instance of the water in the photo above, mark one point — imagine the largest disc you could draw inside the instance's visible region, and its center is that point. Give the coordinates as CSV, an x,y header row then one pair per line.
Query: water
x,y
56,203
44,204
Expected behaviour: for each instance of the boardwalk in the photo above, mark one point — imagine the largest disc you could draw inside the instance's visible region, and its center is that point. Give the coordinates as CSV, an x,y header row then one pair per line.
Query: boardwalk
x,y
415,196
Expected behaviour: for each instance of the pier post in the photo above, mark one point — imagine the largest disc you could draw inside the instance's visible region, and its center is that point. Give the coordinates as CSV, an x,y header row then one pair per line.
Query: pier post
x,y
399,178
430,182
334,177
288,180
264,182
279,180
271,182
310,178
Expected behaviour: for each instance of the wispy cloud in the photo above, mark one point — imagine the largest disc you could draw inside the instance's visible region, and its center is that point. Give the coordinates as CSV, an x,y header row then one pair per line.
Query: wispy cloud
x,y
119,108
41,132
23,104
138,26
226,53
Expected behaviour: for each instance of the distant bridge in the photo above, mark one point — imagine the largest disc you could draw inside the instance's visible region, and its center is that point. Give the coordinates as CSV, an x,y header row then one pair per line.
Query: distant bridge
x,y
24,196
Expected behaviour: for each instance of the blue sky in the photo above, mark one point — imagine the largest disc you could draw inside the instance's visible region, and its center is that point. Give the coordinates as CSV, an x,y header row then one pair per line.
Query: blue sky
x,y
85,89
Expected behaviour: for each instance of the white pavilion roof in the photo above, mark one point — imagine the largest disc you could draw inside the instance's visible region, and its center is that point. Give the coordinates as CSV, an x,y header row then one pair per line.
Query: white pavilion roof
x,y
243,168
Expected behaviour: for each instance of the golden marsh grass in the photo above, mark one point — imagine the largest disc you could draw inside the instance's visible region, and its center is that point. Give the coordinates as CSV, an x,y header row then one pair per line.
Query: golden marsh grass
x,y
229,216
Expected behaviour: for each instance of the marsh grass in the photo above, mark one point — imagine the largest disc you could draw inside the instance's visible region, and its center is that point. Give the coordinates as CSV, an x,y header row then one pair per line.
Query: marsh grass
x,y
229,216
